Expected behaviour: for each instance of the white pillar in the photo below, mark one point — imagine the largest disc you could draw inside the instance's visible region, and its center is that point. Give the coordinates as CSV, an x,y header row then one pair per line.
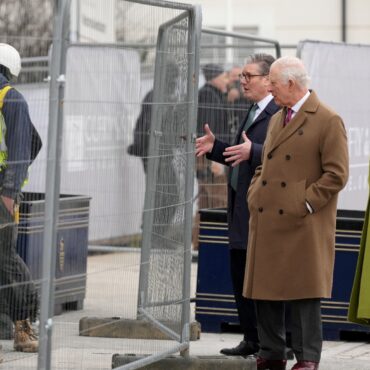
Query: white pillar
x,y
74,26
229,28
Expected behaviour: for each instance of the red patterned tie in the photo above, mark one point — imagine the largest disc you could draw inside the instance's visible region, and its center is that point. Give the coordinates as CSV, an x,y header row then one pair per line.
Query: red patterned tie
x,y
288,116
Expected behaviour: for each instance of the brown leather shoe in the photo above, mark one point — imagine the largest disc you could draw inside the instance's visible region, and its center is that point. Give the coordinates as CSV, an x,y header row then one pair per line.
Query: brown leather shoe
x,y
306,365
264,364
25,339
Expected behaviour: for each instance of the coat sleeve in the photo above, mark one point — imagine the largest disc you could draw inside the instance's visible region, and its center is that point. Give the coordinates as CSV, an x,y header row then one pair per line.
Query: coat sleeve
x,y
256,156
334,164
216,153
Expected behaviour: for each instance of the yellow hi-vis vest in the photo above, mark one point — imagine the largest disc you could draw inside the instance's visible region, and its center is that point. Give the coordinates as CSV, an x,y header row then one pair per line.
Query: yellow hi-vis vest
x,y
3,147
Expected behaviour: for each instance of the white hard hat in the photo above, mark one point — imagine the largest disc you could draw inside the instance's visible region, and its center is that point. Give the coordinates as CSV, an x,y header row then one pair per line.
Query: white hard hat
x,y
10,58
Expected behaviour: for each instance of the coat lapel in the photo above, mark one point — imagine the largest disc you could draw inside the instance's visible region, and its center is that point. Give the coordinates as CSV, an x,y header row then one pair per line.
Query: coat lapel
x,y
270,109
261,117
281,133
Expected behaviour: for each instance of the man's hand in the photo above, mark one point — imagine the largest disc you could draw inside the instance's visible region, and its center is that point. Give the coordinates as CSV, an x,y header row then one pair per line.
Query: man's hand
x,y
238,153
204,144
9,204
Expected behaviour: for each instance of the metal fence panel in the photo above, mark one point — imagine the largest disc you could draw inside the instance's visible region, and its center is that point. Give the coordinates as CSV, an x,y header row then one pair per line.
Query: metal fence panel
x,y
96,102
165,203
27,26
112,188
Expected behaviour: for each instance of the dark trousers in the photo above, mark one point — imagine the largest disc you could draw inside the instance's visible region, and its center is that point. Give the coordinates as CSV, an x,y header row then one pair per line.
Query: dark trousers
x,y
245,307
305,324
18,295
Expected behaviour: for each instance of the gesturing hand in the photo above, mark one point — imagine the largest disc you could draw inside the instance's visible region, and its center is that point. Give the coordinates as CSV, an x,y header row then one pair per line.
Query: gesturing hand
x,y
204,144
238,153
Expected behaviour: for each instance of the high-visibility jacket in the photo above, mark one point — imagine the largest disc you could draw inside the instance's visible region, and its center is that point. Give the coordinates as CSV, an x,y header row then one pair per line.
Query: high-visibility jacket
x,y
3,148
20,141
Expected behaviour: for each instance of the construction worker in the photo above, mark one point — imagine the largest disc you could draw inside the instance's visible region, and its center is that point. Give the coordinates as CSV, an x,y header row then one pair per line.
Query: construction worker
x,y
19,145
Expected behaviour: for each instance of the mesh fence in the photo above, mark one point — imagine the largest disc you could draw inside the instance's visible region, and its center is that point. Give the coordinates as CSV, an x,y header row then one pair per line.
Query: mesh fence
x,y
125,138
114,102
22,175
105,223
165,197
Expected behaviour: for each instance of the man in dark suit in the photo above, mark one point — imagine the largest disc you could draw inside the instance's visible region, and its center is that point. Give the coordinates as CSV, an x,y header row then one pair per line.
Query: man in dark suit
x,y
243,157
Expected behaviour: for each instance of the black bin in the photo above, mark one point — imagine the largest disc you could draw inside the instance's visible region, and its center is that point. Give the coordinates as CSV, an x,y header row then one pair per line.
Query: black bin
x,y
72,241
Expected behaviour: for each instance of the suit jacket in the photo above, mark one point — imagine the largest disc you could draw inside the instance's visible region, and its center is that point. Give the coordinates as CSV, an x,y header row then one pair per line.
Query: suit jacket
x,y
238,213
290,251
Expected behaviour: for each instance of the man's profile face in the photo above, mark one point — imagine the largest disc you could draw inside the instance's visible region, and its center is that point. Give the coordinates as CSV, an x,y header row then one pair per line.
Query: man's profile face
x,y
254,85
279,89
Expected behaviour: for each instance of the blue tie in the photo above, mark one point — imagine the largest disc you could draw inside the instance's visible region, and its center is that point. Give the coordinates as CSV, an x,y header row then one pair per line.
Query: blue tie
x,y
248,123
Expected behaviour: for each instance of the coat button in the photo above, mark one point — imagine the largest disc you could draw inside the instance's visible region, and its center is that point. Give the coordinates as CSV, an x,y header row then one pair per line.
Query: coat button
x,y
269,156
300,132
287,157
281,211
264,182
283,184
260,209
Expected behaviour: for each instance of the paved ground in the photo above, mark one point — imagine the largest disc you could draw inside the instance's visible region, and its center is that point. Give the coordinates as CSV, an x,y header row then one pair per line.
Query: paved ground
x,y
112,291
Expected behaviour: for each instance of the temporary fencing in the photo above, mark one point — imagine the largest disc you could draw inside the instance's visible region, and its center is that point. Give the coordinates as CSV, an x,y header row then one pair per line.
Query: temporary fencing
x,y
117,123
114,99
120,151
21,224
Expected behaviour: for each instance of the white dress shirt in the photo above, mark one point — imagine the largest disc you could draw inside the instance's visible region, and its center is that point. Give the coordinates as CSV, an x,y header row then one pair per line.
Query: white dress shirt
x,y
262,104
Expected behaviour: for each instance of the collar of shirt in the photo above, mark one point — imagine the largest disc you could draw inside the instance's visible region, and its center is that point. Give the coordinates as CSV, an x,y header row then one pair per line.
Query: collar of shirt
x,y
262,104
297,106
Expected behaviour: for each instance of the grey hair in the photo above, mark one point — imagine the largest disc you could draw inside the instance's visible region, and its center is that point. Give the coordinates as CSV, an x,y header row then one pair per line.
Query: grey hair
x,y
292,68
264,62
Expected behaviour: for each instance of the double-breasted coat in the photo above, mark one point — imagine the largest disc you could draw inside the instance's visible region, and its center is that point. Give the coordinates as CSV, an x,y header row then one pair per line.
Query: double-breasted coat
x,y
290,252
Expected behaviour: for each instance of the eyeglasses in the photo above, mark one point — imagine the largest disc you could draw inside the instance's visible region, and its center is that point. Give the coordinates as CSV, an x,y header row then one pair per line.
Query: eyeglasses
x,y
247,76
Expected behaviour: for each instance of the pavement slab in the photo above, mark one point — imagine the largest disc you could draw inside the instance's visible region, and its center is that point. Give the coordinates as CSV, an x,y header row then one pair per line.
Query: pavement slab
x,y
112,281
